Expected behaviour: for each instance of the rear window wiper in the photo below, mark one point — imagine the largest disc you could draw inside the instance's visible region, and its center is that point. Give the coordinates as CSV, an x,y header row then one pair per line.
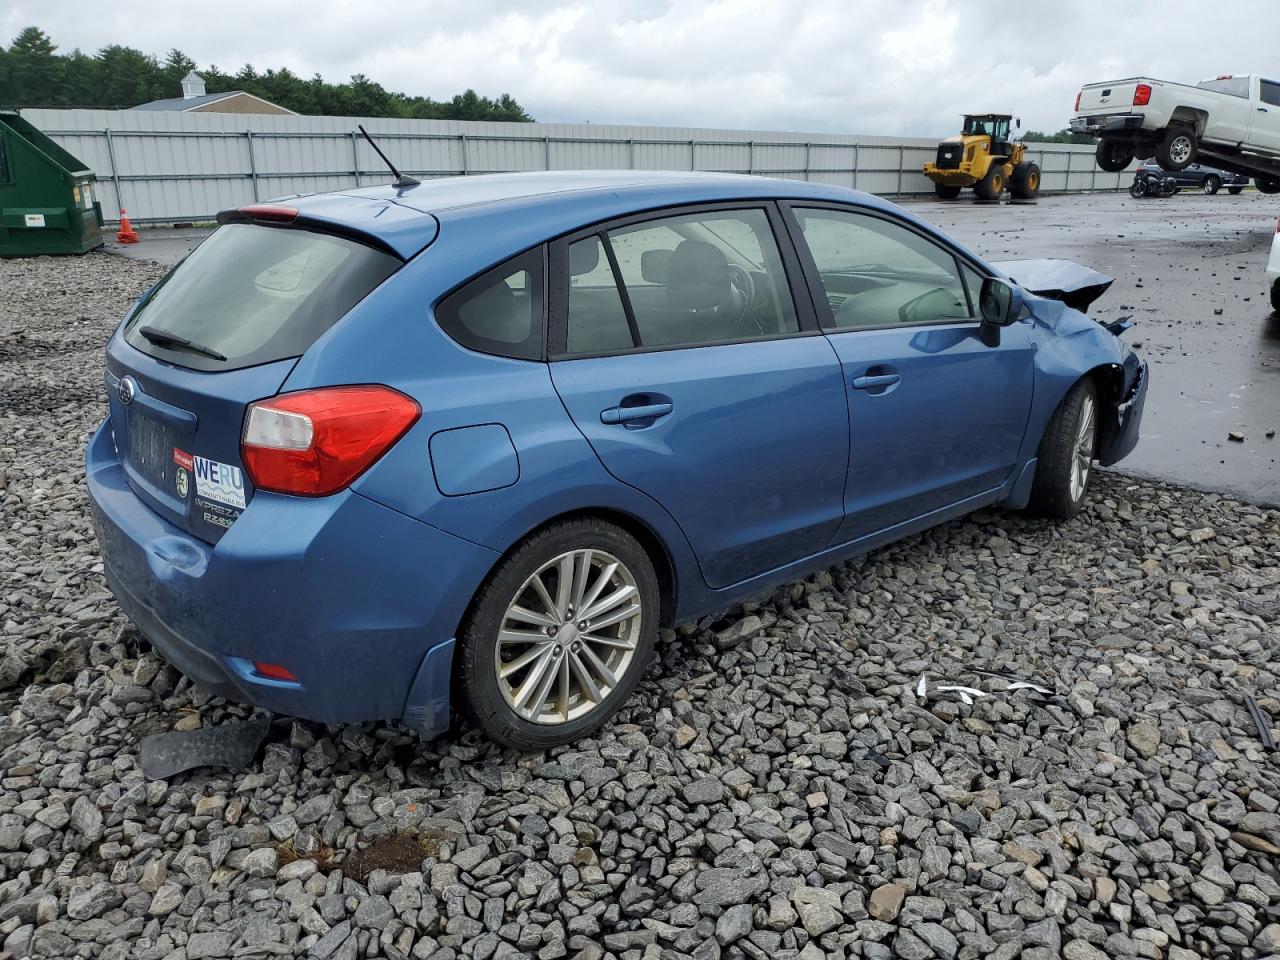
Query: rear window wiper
x,y
163,338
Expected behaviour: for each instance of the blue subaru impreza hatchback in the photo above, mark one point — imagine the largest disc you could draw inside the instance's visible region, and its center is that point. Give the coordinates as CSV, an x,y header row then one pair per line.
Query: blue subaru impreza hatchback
x,y
483,436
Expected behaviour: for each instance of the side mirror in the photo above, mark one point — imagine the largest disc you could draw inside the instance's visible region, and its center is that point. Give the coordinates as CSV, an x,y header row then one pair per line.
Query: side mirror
x,y
1018,121
1000,304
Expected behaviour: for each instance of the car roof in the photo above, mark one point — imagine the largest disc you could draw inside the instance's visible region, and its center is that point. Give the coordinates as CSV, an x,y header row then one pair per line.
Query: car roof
x,y
535,206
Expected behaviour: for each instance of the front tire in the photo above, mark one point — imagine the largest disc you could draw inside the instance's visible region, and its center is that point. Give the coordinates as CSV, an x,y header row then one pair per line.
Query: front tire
x,y
1275,296
989,188
946,192
1066,454
1235,191
1114,155
1267,185
560,634
1025,183
1177,148
1211,185
1138,189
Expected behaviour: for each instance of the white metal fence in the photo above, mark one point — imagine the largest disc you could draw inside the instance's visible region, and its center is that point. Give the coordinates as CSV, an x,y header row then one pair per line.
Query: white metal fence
x,y
177,167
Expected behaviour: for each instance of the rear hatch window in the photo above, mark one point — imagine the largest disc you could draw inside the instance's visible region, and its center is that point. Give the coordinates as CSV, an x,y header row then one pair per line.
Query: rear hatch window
x,y
253,294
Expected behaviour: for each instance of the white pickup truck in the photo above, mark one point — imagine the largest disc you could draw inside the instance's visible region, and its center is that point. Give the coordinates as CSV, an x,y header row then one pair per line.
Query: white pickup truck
x,y
1232,122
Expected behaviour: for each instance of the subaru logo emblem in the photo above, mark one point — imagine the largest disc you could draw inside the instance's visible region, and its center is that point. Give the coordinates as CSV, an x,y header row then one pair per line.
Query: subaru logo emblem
x,y
128,389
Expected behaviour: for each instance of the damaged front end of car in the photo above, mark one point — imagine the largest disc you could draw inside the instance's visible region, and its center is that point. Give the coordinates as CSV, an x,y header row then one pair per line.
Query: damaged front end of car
x,y
1080,345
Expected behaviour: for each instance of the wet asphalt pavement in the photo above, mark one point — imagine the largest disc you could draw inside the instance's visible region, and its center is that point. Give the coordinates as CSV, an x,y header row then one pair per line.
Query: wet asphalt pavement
x,y
1190,272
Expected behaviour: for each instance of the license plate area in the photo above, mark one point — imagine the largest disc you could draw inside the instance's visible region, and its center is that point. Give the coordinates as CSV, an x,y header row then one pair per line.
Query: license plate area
x,y
150,450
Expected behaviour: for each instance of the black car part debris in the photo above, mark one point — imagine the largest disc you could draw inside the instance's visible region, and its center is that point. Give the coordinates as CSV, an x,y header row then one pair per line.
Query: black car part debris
x,y
226,745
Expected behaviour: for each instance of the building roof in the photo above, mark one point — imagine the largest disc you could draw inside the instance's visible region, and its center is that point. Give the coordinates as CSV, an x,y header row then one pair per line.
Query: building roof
x,y
183,104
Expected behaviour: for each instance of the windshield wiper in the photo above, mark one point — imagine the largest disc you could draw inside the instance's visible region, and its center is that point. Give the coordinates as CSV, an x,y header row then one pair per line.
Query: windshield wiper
x,y
163,338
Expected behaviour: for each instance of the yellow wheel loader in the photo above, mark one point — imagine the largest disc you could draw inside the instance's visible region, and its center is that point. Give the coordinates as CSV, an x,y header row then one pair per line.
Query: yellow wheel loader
x,y
985,158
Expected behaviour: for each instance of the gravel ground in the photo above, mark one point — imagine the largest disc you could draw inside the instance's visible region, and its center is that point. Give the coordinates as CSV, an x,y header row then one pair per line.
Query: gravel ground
x,y
777,787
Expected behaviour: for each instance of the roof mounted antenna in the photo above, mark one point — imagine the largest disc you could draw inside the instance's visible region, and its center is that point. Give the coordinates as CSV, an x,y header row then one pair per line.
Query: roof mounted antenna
x,y
402,180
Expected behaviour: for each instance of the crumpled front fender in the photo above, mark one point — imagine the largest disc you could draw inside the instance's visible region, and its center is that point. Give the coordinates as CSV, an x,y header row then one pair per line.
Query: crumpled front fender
x,y
1070,345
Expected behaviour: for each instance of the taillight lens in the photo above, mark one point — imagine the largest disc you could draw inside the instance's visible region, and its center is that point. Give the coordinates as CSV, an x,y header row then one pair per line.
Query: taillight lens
x,y
316,442
1078,96
1141,95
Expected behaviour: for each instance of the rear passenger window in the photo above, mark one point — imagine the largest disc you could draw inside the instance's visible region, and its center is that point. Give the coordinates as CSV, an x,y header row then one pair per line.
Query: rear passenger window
x,y
597,318
500,312
1271,92
701,278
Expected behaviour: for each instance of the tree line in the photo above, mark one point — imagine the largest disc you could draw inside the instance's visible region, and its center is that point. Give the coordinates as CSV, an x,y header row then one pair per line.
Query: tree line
x,y
34,74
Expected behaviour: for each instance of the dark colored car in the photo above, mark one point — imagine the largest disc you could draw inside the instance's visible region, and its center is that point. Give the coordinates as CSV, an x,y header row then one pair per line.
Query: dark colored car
x,y
1206,178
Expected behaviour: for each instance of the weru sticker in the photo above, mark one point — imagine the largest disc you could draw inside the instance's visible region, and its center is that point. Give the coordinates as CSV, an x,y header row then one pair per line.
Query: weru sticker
x,y
33,219
219,482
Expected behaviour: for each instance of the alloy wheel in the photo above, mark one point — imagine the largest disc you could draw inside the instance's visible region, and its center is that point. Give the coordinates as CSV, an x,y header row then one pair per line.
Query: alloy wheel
x,y
1082,460
568,636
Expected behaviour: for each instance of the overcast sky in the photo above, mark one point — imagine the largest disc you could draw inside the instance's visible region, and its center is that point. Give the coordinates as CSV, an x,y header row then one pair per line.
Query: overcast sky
x,y
907,67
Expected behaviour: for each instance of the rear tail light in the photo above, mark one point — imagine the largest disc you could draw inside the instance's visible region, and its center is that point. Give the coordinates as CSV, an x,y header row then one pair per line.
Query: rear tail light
x,y
1078,96
1141,95
274,671
316,442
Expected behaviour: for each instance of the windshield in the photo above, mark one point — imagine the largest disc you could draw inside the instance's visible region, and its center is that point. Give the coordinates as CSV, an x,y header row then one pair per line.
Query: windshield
x,y
997,128
253,294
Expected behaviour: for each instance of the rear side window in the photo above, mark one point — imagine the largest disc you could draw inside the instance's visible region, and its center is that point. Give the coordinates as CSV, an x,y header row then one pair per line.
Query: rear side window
x,y
4,160
500,312
1271,92
253,294
1232,86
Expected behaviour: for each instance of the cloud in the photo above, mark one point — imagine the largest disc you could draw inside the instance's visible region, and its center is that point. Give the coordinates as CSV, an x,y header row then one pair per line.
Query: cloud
x,y
857,66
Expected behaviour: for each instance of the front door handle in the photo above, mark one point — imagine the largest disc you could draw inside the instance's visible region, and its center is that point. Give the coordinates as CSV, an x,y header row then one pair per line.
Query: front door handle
x,y
875,382
648,411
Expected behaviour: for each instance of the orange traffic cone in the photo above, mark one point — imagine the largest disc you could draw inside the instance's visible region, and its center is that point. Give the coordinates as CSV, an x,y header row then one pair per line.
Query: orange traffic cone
x,y
127,234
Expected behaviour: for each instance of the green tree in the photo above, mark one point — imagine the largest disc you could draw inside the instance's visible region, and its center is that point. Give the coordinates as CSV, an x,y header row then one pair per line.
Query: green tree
x,y
33,73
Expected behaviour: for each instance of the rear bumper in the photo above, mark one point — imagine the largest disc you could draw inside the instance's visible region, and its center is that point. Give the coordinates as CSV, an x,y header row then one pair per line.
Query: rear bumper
x,y
360,602
1128,420
1108,123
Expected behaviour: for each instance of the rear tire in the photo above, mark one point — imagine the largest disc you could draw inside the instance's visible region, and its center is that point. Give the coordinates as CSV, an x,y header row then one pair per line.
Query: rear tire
x,y
989,188
1235,191
1211,185
1025,182
547,634
1114,155
1275,296
946,192
1267,185
1177,148
1066,454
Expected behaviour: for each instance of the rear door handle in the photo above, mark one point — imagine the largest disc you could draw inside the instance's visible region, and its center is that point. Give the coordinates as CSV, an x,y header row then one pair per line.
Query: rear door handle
x,y
871,383
648,411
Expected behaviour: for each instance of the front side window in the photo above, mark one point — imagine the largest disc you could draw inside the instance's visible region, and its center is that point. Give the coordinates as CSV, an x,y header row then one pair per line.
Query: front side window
x,y
4,160
500,312
876,273
688,280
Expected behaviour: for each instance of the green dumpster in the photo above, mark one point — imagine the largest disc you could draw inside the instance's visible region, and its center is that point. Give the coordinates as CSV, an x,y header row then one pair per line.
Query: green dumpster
x,y
47,202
